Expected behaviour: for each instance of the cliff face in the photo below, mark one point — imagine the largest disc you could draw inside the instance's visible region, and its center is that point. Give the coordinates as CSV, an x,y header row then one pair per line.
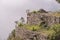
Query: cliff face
x,y
24,34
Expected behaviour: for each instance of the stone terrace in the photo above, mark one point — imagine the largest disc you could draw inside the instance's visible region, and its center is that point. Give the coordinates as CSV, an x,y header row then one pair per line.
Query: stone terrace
x,y
38,17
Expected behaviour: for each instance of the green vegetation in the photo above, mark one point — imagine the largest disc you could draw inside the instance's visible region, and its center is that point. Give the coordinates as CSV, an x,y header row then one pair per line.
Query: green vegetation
x,y
52,33
58,1
56,28
20,24
32,27
34,11
12,36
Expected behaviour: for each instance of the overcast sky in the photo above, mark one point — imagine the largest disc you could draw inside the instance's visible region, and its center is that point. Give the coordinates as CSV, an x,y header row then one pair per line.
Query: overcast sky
x,y
12,10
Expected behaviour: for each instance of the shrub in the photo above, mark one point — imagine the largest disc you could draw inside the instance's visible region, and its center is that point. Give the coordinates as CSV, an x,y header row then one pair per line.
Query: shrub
x,y
20,24
53,32
56,28
32,27
12,35
34,12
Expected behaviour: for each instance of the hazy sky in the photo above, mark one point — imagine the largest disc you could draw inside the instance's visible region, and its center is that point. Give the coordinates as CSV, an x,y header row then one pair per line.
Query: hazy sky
x,y
11,10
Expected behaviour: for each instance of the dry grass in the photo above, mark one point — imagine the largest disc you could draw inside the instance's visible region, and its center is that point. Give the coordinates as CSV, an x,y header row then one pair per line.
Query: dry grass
x,y
56,14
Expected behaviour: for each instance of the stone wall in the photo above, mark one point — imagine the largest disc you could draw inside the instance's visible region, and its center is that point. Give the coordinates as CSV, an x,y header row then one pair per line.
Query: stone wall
x,y
23,34
37,18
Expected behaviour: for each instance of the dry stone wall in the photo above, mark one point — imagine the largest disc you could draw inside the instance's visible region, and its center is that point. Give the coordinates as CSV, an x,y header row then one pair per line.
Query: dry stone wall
x,y
24,34
37,18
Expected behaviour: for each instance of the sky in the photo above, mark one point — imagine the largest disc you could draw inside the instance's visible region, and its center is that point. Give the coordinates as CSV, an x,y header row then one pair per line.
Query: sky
x,y
12,10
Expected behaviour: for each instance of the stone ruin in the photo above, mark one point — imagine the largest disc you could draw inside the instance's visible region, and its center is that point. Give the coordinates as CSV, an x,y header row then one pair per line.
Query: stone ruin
x,y
36,19
23,34
42,18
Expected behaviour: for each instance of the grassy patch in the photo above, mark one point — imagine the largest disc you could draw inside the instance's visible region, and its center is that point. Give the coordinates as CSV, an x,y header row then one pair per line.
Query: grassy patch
x,y
32,27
